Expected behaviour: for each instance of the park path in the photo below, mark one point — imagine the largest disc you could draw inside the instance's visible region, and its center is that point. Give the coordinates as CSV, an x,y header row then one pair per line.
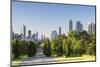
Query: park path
x,y
39,58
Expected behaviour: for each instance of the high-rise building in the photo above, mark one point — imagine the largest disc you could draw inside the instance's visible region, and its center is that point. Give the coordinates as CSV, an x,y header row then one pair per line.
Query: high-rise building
x,y
29,34
91,28
94,28
24,31
54,34
79,26
12,35
70,25
37,35
59,30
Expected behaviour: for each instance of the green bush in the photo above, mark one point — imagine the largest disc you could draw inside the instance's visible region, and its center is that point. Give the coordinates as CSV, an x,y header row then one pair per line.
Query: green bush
x,y
60,49
91,50
31,49
68,49
23,47
47,48
79,48
15,49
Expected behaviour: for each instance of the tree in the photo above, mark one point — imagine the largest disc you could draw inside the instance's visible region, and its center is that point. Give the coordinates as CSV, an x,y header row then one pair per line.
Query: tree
x,y
74,35
23,47
15,48
60,48
79,48
31,49
47,48
91,50
54,45
68,49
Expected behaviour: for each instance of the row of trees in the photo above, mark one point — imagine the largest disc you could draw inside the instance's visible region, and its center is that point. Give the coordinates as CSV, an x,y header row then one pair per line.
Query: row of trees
x,y
75,44
20,48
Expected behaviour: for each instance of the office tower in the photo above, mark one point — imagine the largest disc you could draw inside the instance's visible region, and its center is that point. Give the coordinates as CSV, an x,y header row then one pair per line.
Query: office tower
x,y
54,34
36,35
59,30
29,34
41,37
70,25
91,28
24,31
12,35
94,28
79,26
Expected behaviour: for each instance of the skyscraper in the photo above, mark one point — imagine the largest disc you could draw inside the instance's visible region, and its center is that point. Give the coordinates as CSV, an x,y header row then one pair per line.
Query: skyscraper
x,y
24,31
79,26
54,34
94,28
29,34
12,35
59,30
91,28
37,35
70,25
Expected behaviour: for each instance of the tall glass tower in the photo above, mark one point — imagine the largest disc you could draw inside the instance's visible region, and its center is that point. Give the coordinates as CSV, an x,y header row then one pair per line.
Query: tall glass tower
x,y
59,30
24,31
79,26
70,25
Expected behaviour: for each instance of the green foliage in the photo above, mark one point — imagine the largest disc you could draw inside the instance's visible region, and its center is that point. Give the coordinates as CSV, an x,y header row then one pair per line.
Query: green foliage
x,y
15,49
31,49
54,45
59,48
23,47
91,50
19,48
68,49
74,44
79,48
47,48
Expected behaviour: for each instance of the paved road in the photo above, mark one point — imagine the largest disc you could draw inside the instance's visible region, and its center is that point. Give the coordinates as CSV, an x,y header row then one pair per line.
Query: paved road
x,y
39,58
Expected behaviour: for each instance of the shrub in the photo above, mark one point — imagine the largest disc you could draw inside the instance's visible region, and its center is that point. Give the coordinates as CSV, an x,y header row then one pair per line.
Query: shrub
x,y
60,49
47,48
15,49
91,50
31,49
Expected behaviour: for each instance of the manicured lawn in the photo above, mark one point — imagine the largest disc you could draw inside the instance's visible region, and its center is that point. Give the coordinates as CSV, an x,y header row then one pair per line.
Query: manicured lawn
x,y
74,59
62,59
18,61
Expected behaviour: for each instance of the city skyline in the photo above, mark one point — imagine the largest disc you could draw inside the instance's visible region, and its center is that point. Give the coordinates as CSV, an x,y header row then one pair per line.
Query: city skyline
x,y
44,18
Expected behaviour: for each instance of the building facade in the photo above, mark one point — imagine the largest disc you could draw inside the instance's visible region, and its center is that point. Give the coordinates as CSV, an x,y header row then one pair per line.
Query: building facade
x,y
70,25
79,26
24,31
54,34
29,34
59,30
92,28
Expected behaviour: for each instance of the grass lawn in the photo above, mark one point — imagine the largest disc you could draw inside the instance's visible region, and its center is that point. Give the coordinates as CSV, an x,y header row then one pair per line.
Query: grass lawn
x,y
18,61
62,59
75,59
